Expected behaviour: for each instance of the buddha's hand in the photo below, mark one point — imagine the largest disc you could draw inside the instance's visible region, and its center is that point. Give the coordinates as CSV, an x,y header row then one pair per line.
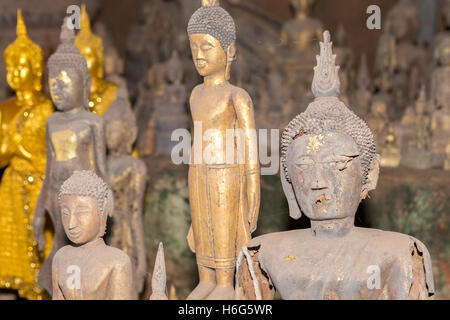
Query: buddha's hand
x,y
141,275
253,198
39,224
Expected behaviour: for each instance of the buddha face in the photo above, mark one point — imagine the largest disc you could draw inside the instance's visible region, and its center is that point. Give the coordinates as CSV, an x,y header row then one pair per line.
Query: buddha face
x,y
81,218
66,89
325,172
209,57
19,73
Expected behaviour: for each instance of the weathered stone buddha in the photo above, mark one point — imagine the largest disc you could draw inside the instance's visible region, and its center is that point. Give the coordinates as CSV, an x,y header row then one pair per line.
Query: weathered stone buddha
x,y
224,185
22,152
440,96
103,93
75,140
329,165
127,177
88,269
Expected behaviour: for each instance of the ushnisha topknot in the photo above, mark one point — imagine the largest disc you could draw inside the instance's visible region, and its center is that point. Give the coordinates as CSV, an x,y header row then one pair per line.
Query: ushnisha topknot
x,y
212,19
328,113
67,56
87,184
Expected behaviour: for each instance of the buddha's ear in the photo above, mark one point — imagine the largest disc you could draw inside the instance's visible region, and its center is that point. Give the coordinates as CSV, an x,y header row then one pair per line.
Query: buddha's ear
x,y
372,176
231,56
294,208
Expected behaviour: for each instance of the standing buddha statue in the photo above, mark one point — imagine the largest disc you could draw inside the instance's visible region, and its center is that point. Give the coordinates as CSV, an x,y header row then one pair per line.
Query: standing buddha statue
x,y
103,93
224,181
23,151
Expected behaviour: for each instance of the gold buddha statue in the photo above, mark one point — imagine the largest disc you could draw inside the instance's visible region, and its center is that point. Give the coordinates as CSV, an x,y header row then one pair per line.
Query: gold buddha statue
x,y
103,93
23,151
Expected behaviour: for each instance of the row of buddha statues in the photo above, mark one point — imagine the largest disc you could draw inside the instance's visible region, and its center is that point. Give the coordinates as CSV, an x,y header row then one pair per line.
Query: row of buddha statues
x,y
70,166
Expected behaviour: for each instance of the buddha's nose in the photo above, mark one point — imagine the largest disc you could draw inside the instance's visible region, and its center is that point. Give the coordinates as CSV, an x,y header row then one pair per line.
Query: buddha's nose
x,y
318,180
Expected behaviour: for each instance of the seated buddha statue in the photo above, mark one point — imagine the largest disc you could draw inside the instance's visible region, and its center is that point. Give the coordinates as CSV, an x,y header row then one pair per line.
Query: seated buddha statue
x,y
23,153
329,164
103,93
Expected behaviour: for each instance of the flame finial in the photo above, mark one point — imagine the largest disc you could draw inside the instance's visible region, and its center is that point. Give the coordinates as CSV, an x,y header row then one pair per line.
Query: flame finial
x,y
326,78
159,276
210,3
21,29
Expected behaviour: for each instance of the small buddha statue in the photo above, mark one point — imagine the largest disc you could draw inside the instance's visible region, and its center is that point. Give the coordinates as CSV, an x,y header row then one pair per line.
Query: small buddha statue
x,y
23,153
440,96
75,141
224,182
402,25
104,272
345,59
445,33
364,89
329,164
390,152
127,176
447,158
103,93
378,120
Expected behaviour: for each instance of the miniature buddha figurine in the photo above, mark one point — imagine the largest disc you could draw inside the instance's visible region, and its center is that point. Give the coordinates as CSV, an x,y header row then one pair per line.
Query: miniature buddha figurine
x,y
104,272
224,185
22,150
417,154
363,93
127,177
345,59
445,5
440,96
103,93
75,140
378,120
447,159
390,153
329,165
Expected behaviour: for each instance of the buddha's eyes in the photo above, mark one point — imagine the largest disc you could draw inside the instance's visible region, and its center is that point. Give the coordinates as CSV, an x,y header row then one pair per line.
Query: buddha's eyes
x,y
65,212
343,162
206,47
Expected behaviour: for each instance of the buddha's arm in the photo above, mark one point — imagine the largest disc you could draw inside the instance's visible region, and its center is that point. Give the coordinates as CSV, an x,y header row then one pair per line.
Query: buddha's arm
x,y
42,201
57,294
246,119
100,148
121,281
139,183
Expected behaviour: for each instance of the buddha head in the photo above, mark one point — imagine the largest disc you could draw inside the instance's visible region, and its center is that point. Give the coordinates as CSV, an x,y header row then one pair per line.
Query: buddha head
x,y
86,201
328,158
442,52
23,59
212,36
403,21
90,46
302,7
69,78
121,127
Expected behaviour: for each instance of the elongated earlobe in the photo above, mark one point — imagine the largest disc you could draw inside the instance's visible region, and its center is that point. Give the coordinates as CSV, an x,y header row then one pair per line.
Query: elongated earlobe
x,y
372,177
294,208
231,56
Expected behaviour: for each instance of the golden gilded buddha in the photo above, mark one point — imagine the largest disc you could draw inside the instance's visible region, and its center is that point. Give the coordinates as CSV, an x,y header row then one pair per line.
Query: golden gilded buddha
x,y
103,93
23,151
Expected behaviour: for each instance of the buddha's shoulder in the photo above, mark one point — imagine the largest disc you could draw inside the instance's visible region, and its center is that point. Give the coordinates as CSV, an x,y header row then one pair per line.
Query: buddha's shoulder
x,y
8,102
389,241
280,239
116,256
45,105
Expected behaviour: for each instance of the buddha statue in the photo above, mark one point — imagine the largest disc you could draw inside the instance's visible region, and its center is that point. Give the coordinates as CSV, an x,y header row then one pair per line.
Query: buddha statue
x,y
399,45
378,120
329,165
390,152
440,97
75,141
298,37
103,93
417,154
105,273
447,158
345,59
224,181
363,93
127,177
23,153
445,33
